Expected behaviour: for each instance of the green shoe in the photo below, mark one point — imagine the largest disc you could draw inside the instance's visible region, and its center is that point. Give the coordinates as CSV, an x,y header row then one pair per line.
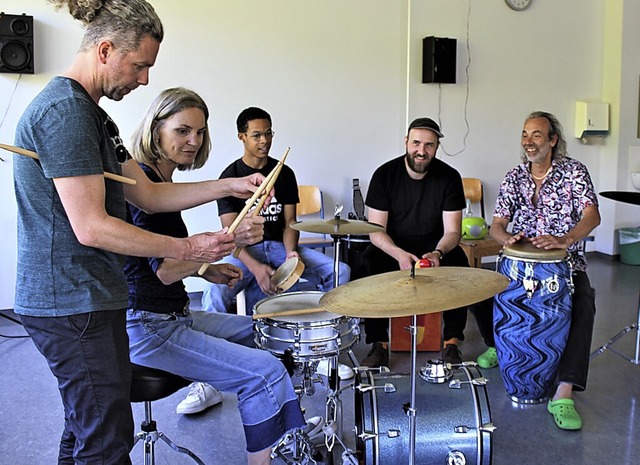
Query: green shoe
x,y
489,359
565,414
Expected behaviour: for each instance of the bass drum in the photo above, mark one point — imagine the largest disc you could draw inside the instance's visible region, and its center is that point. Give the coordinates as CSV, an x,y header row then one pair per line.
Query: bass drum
x,y
453,425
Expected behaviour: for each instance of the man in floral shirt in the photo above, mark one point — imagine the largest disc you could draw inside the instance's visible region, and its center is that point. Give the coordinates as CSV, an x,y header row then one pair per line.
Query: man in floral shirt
x,y
550,201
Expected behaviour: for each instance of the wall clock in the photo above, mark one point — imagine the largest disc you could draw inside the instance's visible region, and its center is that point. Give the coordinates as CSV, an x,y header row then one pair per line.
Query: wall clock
x,y
518,5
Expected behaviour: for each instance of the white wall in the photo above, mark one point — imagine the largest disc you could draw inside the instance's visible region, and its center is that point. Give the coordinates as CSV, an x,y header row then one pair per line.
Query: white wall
x,y
333,75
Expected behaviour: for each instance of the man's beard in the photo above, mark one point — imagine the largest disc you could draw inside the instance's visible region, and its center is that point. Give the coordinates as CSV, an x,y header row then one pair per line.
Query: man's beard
x,y
420,169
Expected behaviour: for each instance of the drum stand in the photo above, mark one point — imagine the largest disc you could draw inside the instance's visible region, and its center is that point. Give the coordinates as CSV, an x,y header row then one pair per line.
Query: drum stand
x,y
608,345
411,411
632,198
333,425
333,394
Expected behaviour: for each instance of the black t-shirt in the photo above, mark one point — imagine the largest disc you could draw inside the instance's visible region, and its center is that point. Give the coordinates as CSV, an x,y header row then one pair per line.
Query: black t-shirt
x,y
415,206
286,193
146,291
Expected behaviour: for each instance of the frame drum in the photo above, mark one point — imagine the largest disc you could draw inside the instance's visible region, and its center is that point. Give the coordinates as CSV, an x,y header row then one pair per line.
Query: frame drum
x,y
287,274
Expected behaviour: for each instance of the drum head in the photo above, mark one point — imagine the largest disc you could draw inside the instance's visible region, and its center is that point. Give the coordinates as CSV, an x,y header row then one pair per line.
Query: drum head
x,y
294,301
287,274
529,251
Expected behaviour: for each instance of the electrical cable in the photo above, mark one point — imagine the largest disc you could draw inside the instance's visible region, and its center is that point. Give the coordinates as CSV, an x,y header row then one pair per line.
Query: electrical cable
x,y
466,99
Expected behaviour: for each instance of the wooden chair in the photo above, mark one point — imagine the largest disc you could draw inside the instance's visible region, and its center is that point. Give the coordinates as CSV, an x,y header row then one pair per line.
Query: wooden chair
x,y
477,249
311,203
473,191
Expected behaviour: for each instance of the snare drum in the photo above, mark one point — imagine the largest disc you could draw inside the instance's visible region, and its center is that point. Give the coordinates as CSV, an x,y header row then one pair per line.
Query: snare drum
x,y
311,337
453,425
531,319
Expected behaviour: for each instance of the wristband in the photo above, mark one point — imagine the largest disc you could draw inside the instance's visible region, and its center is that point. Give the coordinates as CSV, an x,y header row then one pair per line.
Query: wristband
x,y
440,252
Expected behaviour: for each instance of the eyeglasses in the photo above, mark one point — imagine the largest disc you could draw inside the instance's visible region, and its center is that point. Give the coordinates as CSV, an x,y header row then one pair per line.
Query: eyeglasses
x,y
122,154
259,135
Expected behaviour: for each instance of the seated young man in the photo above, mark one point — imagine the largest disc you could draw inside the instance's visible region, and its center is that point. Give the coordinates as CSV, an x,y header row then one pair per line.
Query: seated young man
x,y
260,261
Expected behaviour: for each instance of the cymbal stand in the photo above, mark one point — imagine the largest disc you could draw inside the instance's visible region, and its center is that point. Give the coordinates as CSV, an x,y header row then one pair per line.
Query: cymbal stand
x,y
333,429
411,411
614,339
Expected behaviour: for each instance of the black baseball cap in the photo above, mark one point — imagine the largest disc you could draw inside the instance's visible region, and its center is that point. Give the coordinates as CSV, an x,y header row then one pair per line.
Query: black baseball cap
x,y
425,123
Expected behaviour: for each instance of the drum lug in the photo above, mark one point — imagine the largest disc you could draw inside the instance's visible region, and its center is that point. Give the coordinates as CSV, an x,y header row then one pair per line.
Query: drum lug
x,y
388,387
530,285
393,433
487,428
367,436
364,387
457,384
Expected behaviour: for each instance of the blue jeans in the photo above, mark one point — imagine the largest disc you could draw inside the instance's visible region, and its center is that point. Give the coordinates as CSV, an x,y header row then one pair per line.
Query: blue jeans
x,y
218,349
88,354
318,276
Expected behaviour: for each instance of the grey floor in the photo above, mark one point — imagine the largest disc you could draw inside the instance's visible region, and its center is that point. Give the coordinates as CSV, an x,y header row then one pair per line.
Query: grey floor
x,y
31,413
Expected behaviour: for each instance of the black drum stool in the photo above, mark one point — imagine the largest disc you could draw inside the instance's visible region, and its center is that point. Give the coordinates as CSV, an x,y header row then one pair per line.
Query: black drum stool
x,y
147,385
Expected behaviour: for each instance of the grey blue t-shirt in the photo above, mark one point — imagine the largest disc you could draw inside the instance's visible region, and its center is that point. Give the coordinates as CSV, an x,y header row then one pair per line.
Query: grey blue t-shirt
x,y
56,275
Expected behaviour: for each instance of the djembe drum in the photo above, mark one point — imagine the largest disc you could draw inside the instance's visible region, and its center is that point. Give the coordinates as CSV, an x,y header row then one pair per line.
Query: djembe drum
x,y
531,319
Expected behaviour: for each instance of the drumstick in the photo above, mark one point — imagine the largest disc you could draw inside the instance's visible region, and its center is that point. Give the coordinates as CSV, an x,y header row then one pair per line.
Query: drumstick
x,y
275,172
203,269
301,311
34,155
263,190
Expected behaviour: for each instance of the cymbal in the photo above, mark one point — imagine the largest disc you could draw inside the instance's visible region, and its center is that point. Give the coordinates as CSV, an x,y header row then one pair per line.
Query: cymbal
x,y
623,196
337,227
396,294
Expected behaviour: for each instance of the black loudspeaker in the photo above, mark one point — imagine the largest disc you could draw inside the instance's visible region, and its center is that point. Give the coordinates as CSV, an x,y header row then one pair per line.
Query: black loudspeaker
x,y
439,60
16,44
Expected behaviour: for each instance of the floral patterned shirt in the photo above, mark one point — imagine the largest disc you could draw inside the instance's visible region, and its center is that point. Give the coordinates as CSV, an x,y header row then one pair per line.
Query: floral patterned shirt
x,y
564,194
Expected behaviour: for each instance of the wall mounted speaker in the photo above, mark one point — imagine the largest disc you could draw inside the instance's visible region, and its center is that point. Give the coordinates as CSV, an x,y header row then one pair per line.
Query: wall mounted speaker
x,y
16,44
439,60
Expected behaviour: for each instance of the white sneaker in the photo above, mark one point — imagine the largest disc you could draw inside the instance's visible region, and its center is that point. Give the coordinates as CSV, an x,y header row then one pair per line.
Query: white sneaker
x,y
344,371
200,397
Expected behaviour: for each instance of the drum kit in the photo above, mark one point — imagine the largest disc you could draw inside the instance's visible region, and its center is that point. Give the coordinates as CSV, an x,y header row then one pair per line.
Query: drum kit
x,y
312,326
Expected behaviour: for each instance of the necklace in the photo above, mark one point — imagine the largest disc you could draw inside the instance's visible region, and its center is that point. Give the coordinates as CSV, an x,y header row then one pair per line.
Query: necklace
x,y
541,177
159,171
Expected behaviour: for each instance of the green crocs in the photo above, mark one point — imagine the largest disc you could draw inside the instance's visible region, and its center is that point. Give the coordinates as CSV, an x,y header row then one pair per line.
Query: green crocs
x,y
565,414
489,359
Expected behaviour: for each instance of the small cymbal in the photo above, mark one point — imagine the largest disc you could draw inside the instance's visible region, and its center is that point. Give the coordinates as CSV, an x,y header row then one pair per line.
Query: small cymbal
x,y
337,227
396,294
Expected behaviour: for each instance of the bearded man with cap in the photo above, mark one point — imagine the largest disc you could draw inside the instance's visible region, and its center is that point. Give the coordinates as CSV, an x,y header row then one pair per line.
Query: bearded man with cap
x,y
418,199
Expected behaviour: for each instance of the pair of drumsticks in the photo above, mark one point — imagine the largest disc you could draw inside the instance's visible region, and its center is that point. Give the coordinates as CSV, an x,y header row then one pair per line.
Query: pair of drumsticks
x,y
263,192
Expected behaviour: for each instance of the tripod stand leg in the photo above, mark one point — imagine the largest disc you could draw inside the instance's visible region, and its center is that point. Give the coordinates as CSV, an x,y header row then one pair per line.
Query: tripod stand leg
x,y
614,339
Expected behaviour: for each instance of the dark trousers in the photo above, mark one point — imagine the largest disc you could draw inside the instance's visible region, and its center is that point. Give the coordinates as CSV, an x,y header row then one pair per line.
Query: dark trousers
x,y
374,261
89,355
574,365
